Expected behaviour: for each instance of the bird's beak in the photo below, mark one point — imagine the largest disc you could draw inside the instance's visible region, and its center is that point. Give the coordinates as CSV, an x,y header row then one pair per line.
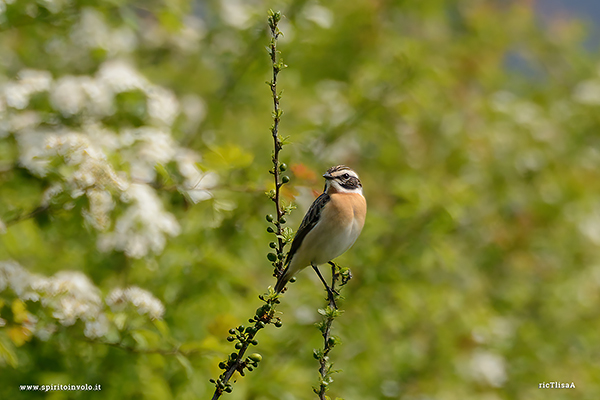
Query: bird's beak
x,y
327,176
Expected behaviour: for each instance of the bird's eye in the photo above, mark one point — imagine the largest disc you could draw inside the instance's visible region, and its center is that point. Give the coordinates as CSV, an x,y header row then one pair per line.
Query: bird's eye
x,y
345,176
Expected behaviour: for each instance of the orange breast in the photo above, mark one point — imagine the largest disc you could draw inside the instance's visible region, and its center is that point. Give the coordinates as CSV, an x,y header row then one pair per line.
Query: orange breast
x,y
347,208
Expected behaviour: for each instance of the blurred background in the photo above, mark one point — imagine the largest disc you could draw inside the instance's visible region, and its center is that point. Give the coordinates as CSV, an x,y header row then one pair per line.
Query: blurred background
x,y
134,158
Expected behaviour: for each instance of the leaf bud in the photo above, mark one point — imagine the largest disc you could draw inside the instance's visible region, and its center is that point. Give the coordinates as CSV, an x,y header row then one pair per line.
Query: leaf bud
x,y
272,256
256,357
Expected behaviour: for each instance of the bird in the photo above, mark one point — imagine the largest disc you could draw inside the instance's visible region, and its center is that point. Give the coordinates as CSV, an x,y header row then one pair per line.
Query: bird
x,y
331,225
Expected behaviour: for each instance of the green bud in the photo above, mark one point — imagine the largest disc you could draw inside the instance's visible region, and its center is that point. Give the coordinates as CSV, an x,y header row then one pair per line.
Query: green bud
x,y
256,357
282,220
272,245
211,380
293,279
270,229
250,369
272,256
254,342
232,331
238,346
241,328
260,324
283,167
269,218
285,179
278,324
228,388
230,338
222,365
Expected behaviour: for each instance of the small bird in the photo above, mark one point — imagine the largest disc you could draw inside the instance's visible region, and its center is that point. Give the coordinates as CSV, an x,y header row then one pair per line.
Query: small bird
x,y
331,224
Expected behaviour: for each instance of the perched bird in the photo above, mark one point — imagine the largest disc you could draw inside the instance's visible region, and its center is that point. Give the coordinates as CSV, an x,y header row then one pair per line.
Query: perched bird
x,y
331,224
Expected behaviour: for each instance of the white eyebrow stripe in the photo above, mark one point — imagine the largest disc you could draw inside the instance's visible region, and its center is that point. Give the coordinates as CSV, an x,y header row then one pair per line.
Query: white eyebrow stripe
x,y
338,174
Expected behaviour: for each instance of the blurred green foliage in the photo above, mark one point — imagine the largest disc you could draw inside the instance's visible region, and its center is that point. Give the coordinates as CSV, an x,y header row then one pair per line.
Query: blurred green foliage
x,y
474,131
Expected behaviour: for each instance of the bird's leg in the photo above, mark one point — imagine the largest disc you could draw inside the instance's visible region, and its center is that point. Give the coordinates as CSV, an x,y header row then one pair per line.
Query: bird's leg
x,y
331,292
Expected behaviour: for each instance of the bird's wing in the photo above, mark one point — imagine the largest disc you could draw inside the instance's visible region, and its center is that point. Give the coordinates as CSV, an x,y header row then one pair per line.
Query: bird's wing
x,y
308,222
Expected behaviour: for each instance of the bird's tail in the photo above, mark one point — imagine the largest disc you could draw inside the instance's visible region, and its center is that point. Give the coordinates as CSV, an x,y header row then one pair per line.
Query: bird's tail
x,y
283,279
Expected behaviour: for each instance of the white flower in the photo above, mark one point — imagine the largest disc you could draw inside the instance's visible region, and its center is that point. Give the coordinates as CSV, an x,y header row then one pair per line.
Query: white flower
x,y
23,120
67,96
101,204
162,105
143,226
150,146
96,328
143,300
18,279
91,31
73,94
194,109
587,92
30,81
489,368
120,76
72,296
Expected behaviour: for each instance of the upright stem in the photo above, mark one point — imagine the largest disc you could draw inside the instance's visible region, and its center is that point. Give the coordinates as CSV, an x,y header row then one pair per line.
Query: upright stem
x,y
341,276
277,66
244,336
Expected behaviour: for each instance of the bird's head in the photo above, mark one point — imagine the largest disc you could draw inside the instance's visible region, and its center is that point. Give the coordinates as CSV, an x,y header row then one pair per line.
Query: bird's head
x,y
342,179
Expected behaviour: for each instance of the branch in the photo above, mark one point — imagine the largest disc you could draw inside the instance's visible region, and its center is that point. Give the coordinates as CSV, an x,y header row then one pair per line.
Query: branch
x,y
26,216
278,168
341,275
132,349
245,336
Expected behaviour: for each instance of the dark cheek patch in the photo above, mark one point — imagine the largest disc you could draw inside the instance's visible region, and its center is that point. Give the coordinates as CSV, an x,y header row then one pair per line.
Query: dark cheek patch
x,y
351,183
